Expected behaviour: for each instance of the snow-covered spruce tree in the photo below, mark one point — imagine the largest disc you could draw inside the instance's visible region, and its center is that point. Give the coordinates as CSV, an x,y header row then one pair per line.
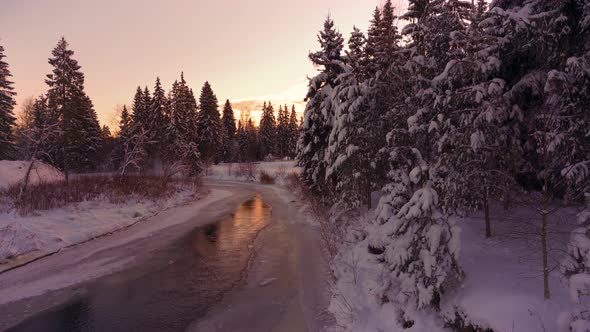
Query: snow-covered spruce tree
x,y
541,93
479,149
361,98
7,102
67,100
319,111
229,132
209,125
293,132
183,110
156,123
413,237
350,154
267,131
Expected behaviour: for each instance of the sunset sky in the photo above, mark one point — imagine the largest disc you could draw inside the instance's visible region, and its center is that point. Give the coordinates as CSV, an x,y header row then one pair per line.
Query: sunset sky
x,y
248,50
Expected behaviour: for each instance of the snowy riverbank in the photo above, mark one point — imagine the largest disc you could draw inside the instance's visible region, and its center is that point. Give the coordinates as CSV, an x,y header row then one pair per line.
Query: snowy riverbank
x,y
23,238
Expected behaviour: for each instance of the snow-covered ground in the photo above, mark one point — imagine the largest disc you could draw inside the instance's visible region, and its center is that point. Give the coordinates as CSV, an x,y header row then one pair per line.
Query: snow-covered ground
x,y
23,238
502,289
13,171
27,237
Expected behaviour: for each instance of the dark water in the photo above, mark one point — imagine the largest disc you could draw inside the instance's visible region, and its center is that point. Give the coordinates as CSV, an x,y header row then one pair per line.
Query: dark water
x,y
175,286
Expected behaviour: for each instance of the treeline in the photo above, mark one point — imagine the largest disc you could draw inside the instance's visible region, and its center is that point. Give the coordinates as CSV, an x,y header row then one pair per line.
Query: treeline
x,y
465,106
170,132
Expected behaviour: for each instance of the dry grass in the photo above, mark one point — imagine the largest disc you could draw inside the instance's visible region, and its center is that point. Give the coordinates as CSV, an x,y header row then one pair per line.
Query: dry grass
x,y
266,178
115,189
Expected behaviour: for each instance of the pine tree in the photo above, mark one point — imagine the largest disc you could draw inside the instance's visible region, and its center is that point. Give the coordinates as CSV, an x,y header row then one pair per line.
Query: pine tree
x,y
229,132
7,102
318,115
80,130
209,125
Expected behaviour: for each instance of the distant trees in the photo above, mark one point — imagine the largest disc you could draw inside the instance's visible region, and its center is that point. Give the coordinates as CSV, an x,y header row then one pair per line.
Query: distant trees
x,y
7,102
162,131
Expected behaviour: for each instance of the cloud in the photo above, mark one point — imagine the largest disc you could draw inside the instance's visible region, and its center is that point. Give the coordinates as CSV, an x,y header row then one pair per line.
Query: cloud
x,y
294,95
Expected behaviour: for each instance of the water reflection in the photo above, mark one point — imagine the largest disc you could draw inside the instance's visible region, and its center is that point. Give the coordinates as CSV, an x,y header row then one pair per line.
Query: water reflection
x,y
172,288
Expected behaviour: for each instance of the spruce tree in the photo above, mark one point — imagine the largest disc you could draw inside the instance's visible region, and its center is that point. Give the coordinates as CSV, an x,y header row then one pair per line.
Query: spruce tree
x,y
356,55
282,133
7,102
80,131
318,115
155,125
229,132
209,125
410,211
293,132
267,131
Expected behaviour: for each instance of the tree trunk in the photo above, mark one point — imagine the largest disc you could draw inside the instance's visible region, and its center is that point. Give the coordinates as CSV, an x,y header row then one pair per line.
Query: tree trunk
x,y
546,292
66,166
544,215
369,203
23,188
486,207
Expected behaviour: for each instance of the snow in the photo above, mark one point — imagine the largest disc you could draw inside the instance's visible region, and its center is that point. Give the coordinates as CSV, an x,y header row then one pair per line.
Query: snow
x,y
11,172
45,232
502,289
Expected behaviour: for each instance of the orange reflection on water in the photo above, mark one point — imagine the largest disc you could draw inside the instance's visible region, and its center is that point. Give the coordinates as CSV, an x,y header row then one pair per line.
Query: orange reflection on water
x,y
234,233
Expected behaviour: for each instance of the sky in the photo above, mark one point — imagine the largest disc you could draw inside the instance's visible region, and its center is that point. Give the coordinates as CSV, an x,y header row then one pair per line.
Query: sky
x,y
248,50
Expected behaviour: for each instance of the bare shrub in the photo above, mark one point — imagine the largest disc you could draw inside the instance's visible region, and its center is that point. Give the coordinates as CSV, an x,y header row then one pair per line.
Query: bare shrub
x,y
229,168
266,178
248,170
207,163
281,172
117,189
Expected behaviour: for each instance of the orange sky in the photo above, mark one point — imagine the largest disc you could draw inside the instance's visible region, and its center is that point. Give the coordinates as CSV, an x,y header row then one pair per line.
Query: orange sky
x,y
247,50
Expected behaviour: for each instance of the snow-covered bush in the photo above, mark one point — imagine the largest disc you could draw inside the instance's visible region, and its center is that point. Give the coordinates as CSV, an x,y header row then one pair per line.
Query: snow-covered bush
x,y
417,243
576,267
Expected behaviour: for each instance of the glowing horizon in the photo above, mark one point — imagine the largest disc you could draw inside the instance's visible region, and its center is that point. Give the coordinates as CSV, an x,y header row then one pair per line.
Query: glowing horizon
x,y
248,51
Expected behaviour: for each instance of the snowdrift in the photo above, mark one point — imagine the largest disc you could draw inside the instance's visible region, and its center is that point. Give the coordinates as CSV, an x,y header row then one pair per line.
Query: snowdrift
x,y
13,171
